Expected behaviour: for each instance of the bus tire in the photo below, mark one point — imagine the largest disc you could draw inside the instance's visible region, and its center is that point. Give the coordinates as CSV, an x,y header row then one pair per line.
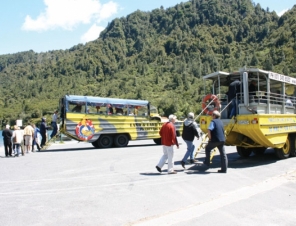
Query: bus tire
x,y
293,146
121,140
95,144
157,141
243,152
105,141
284,152
259,151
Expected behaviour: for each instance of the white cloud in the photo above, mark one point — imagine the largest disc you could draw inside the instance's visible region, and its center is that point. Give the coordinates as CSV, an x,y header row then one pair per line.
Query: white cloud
x,y
67,14
282,12
108,10
92,34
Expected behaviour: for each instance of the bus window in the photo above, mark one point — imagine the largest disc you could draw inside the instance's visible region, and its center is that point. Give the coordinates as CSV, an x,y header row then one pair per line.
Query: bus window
x,y
153,110
76,107
118,111
91,110
101,110
96,108
142,111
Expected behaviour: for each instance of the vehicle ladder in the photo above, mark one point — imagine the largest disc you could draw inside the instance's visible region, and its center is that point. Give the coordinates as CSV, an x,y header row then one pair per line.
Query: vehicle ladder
x,y
54,139
205,138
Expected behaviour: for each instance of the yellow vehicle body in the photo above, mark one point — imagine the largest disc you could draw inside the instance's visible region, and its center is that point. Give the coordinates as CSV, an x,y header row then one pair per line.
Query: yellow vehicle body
x,y
264,119
95,123
137,128
264,130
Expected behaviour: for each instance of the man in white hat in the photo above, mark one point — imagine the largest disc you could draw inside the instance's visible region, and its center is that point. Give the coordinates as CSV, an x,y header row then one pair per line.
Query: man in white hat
x,y
216,139
168,140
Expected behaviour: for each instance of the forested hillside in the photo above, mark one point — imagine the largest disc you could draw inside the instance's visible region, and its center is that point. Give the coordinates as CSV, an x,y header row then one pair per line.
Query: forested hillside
x,y
159,56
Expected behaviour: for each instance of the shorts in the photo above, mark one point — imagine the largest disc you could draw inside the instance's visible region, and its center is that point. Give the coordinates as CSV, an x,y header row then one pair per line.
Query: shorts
x,y
28,140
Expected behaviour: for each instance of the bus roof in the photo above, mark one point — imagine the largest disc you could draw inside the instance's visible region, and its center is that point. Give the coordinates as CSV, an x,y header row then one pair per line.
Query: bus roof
x,y
105,100
226,77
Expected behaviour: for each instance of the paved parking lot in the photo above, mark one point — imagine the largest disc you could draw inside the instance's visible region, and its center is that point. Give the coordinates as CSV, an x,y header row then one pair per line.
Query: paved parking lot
x,y
75,184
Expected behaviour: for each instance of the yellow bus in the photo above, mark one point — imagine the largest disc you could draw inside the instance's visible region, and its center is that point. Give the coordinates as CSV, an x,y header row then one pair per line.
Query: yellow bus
x,y
107,122
265,113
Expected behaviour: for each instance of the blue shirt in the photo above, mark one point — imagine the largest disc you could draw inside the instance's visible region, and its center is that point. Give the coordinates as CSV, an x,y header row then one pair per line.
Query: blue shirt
x,y
211,126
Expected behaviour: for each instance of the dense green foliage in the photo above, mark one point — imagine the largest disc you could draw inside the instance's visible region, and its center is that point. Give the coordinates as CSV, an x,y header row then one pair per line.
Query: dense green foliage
x,y
159,56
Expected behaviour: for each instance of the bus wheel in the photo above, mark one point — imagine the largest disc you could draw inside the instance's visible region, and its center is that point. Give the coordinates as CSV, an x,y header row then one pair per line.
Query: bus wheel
x,y
95,144
284,152
293,147
259,151
105,141
121,140
157,141
243,152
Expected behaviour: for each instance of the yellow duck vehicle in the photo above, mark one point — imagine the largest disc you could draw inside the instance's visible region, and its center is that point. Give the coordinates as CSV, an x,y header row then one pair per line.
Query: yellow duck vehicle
x,y
265,111
107,122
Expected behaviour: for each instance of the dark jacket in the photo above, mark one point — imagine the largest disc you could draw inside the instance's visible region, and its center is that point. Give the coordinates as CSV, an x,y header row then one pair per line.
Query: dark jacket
x,y
233,89
189,130
252,88
7,134
43,126
217,134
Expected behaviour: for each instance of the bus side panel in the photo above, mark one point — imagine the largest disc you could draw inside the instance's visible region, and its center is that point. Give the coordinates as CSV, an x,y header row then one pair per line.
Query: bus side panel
x,y
89,127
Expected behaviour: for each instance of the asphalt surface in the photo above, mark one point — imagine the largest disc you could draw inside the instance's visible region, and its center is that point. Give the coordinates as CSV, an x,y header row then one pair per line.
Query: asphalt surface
x,y
75,184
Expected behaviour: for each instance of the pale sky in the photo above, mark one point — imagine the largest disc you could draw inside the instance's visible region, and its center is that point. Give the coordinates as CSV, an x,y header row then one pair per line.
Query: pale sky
x,y
44,25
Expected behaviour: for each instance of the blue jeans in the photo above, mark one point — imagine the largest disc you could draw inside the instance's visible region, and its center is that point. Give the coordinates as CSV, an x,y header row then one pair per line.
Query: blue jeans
x,y
223,157
190,150
16,148
233,108
54,129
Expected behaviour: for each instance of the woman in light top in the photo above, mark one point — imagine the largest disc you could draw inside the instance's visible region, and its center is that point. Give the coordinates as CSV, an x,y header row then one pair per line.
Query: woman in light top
x,y
17,138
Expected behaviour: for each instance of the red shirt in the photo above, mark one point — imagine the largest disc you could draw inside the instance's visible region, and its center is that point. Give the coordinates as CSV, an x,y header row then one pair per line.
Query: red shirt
x,y
168,134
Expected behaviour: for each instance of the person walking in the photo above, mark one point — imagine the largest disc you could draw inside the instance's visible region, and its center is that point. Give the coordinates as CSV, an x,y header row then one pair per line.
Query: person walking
x,y
35,138
168,140
54,124
43,132
7,135
216,139
190,130
17,137
28,137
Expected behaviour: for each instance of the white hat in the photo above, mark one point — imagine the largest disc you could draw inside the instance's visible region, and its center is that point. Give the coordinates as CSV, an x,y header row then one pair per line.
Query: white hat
x,y
171,117
217,113
190,115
